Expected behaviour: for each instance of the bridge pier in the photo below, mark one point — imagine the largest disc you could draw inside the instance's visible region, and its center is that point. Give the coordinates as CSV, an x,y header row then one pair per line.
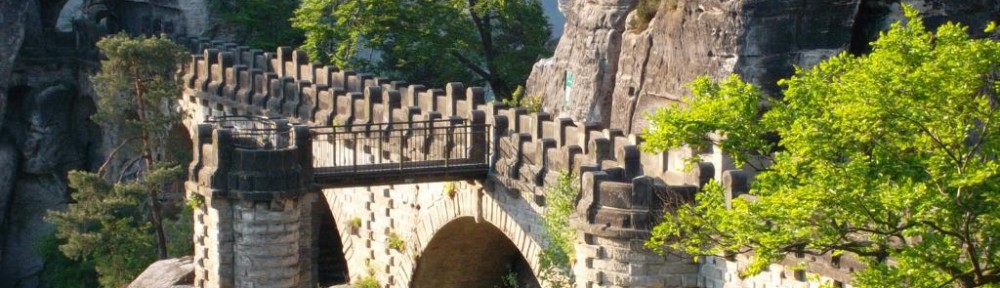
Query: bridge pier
x,y
253,220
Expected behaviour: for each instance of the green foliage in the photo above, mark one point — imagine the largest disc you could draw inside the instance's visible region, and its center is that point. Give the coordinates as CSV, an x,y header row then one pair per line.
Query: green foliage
x,y
355,223
890,156
509,280
450,190
429,42
180,232
110,229
557,257
195,202
63,272
152,60
729,108
367,282
395,242
531,104
263,24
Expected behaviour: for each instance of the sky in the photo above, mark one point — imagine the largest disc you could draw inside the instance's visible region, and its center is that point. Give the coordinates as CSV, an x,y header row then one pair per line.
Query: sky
x,y
556,18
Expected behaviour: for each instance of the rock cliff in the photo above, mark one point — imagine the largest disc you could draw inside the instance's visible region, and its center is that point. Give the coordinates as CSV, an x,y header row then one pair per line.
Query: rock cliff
x,y
46,102
622,69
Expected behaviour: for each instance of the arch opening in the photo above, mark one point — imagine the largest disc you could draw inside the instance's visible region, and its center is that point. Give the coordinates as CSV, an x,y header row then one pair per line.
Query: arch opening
x,y
464,253
331,264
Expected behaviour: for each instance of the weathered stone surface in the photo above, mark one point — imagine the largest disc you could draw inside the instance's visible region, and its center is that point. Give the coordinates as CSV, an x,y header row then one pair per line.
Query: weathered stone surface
x,y
34,196
197,20
759,40
12,13
168,273
45,143
8,170
589,50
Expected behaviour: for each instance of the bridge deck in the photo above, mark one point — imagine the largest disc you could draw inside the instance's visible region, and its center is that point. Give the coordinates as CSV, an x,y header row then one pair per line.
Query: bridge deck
x,y
377,154
396,173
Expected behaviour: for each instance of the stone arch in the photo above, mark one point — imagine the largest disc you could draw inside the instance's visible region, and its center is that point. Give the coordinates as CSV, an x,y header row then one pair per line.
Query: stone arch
x,y
467,253
416,213
511,216
331,264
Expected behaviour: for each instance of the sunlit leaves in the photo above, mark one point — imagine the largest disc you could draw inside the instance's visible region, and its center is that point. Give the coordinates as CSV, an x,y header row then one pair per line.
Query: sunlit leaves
x,y
556,259
891,156
421,41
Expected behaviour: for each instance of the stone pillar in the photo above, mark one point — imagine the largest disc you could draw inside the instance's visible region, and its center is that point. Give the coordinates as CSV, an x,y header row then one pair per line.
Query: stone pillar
x,y
266,243
614,220
253,227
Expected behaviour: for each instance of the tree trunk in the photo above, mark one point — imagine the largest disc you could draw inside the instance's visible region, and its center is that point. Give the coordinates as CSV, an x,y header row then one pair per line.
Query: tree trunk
x,y
147,155
485,29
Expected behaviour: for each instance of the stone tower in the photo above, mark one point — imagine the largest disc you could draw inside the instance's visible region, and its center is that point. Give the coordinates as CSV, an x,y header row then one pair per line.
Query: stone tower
x,y
251,178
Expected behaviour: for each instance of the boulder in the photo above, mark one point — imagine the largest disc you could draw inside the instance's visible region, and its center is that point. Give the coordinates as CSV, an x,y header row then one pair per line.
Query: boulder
x,y
168,273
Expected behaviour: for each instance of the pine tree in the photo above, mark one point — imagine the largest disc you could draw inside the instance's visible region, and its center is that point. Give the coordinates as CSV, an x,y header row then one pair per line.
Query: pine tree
x,y
117,220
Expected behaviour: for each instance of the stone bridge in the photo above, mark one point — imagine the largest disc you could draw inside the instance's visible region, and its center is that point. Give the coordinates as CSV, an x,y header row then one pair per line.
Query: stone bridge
x,y
311,176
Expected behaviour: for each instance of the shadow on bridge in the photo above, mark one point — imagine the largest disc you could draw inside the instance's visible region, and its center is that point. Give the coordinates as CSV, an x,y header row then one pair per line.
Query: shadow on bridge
x,y
464,253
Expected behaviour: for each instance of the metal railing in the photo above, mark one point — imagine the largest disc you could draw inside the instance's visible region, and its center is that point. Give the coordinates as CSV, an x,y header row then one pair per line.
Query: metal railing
x,y
379,150
256,132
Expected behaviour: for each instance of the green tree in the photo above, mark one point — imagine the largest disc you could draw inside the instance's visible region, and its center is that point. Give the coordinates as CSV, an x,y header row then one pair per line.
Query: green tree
x,y
116,222
427,41
891,156
556,259
107,227
263,24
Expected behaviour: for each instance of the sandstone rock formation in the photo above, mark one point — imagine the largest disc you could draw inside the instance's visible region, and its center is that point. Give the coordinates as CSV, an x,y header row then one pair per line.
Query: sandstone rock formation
x,y
168,273
34,196
12,13
762,41
588,54
46,102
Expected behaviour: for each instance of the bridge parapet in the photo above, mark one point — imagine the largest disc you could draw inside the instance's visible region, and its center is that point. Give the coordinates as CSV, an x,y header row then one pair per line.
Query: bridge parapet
x,y
226,79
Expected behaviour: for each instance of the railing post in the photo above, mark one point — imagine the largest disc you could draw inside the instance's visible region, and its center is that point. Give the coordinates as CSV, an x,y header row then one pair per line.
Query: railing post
x,y
354,160
332,138
402,158
447,144
381,138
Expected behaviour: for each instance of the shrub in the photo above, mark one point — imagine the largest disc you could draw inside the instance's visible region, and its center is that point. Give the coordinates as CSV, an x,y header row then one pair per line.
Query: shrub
x,y
557,257
509,280
646,10
355,223
396,243
532,104
450,190
367,282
